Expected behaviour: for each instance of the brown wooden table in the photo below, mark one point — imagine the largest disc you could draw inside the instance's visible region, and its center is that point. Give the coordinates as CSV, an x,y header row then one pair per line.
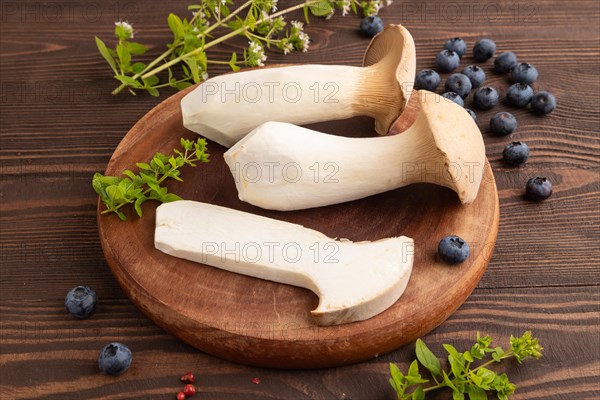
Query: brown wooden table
x,y
59,124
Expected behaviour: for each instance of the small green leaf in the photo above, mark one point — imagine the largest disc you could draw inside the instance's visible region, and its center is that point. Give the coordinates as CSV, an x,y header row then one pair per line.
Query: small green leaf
x,y
458,396
183,85
153,91
452,351
467,356
129,81
413,370
321,9
129,173
232,62
176,26
456,366
106,54
170,197
138,205
122,216
151,80
138,67
476,393
418,394
136,48
396,373
427,358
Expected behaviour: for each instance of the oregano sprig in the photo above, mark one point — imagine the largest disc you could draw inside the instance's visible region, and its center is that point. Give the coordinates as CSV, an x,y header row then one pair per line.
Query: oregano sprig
x,y
465,381
213,22
118,191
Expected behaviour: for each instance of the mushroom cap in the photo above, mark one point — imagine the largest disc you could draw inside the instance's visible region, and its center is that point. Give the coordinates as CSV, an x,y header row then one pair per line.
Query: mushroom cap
x,y
458,141
393,53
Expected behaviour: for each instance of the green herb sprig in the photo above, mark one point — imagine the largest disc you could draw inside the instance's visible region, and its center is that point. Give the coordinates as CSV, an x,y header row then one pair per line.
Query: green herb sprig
x,y
116,192
212,22
463,379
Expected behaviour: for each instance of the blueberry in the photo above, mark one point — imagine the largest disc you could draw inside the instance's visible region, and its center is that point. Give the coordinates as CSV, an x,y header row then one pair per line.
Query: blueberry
x,y
454,97
114,359
484,50
515,153
538,189
519,94
459,84
523,73
476,75
447,60
472,114
453,250
504,62
503,124
543,103
371,25
81,301
457,45
485,98
427,79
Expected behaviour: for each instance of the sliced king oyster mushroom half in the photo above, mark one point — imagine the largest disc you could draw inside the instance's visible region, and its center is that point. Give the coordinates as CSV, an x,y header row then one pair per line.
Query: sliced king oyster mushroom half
x,y
281,166
227,107
358,281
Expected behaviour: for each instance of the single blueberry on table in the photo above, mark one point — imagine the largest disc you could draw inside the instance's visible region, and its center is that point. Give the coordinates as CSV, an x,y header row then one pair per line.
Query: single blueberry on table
x,y
472,114
457,45
81,301
459,84
486,98
371,25
447,60
484,50
114,359
453,250
538,189
516,153
519,94
543,103
454,97
523,73
427,79
475,74
504,62
503,124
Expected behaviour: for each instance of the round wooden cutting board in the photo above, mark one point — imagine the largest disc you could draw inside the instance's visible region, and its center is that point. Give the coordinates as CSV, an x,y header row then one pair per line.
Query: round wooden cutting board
x,y
264,323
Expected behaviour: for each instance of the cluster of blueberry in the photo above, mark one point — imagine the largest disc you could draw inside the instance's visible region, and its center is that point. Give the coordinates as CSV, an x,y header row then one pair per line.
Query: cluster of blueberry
x,y
520,94
114,358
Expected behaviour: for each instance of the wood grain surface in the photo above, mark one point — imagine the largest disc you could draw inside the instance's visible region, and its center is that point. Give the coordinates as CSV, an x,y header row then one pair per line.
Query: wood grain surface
x,y
59,124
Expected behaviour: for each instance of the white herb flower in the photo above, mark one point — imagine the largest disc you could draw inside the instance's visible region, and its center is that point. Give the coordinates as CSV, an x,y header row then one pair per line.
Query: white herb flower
x,y
204,75
305,39
126,26
199,14
388,2
274,6
345,7
257,54
297,24
288,48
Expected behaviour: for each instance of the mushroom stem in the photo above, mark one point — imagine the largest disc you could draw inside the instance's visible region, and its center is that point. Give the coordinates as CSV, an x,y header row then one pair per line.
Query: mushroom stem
x,y
227,107
285,167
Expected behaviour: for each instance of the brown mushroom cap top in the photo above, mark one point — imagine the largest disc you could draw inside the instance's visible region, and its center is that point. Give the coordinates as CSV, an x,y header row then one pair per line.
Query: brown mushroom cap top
x,y
393,53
